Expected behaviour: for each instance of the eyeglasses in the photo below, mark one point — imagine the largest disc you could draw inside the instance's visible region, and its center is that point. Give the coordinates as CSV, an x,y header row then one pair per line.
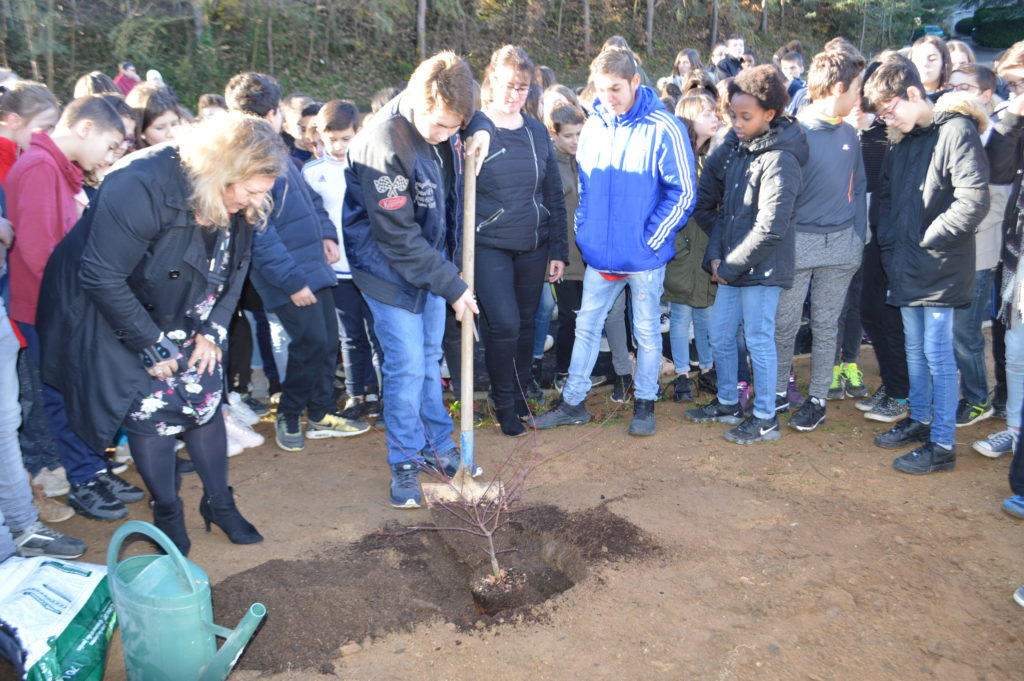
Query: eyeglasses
x,y
1015,85
889,114
964,87
521,91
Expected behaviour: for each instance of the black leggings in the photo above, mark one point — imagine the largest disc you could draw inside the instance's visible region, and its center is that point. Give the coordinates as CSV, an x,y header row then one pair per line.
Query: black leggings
x,y
568,297
207,448
884,323
508,285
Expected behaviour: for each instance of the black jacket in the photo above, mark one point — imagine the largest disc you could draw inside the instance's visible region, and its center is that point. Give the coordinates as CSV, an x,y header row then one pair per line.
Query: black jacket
x,y
519,202
403,210
729,67
289,254
131,269
933,195
745,202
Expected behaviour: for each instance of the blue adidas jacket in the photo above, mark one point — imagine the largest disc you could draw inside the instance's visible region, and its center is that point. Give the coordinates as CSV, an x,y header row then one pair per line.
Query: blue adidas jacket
x,y
637,186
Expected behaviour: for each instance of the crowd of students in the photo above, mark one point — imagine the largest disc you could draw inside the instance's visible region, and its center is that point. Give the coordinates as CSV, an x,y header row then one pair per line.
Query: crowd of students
x,y
880,197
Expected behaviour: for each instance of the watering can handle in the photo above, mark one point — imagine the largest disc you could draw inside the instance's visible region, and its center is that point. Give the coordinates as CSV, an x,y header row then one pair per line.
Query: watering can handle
x,y
154,533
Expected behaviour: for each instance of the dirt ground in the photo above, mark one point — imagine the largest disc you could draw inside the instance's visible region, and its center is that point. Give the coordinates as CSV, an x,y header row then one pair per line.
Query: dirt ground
x,y
805,558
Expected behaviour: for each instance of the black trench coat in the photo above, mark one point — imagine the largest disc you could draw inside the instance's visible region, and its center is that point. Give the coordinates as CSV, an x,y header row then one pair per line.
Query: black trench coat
x,y
129,270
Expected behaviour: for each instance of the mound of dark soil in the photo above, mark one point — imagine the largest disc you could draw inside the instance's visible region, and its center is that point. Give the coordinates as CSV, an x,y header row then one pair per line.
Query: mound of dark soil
x,y
391,581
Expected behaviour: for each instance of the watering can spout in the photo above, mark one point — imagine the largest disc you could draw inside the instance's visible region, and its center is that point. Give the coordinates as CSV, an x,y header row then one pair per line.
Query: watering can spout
x,y
224,660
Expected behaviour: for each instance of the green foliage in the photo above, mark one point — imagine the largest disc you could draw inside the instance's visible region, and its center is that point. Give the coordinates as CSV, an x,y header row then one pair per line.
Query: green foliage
x,y
999,26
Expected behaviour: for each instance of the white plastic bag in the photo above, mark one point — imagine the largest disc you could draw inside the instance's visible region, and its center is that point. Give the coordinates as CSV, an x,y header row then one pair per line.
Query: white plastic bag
x,y
59,614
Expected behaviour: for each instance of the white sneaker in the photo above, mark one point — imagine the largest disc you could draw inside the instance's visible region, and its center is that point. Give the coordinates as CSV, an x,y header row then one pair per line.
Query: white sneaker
x,y
234,447
54,483
122,453
240,432
242,410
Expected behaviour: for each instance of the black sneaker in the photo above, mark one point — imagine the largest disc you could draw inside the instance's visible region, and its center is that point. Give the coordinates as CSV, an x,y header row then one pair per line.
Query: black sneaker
x,y
707,382
564,414
620,390
781,404
94,500
125,492
374,406
643,418
39,540
928,458
355,409
446,464
716,411
967,413
533,391
809,416
754,430
682,389
904,433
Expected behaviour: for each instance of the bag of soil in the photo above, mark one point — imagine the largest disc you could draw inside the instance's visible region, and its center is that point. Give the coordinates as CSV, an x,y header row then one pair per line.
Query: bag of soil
x,y
56,619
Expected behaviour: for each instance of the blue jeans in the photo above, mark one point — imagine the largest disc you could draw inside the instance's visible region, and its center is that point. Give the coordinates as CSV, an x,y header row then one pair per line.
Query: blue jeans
x,y
969,341
928,334
679,333
16,509
755,307
80,462
599,294
1014,372
542,320
415,417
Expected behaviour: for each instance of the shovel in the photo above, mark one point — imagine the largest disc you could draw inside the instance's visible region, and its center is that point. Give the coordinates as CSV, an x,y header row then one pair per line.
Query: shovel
x,y
462,488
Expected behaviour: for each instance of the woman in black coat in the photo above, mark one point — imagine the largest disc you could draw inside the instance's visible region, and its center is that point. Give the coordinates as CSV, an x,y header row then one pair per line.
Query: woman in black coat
x,y
521,234
137,299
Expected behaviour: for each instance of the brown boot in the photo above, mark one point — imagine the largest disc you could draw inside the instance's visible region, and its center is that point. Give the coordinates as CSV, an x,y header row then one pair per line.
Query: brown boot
x,y
50,511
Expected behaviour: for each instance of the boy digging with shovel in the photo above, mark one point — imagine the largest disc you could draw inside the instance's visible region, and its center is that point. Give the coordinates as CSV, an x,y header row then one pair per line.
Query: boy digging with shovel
x,y
401,214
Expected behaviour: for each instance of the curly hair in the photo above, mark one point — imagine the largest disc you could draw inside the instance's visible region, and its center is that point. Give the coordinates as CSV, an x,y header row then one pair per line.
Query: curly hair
x,y
764,84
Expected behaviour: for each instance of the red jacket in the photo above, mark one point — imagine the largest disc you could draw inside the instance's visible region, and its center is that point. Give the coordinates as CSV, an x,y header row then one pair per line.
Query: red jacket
x,y
8,155
41,189
125,83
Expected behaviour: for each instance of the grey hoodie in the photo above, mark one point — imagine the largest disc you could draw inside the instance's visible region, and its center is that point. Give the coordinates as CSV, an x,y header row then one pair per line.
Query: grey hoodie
x,y
834,183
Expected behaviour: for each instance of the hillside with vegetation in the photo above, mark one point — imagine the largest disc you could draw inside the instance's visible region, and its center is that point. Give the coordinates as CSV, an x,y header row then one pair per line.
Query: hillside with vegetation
x,y
350,48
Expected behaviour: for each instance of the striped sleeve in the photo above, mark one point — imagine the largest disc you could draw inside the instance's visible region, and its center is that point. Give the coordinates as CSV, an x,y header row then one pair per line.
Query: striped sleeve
x,y
675,169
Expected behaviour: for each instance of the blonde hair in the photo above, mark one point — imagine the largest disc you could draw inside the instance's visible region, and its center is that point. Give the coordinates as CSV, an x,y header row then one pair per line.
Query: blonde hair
x,y
224,150
1013,58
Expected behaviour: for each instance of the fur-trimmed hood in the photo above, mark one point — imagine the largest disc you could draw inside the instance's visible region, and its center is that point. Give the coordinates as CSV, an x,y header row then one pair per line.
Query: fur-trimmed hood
x,y
947,106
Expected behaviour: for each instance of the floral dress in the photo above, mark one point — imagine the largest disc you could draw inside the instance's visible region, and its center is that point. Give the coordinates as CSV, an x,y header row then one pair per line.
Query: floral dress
x,y
187,399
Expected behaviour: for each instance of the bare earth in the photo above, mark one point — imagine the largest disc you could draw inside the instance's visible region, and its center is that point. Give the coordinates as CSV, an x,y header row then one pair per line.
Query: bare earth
x,y
806,558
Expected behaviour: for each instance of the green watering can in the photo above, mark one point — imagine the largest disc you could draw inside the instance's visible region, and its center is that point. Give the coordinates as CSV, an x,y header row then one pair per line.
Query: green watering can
x,y
166,615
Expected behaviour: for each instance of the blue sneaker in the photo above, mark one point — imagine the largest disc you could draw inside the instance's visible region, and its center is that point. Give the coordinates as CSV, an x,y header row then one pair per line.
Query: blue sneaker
x,y
1014,506
1018,596
405,485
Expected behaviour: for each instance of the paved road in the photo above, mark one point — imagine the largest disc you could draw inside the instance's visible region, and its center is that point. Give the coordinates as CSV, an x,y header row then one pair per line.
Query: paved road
x,y
984,55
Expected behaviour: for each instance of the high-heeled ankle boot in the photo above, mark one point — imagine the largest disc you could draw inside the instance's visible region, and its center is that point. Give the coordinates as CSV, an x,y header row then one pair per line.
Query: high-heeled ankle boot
x,y
220,510
169,518
509,422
